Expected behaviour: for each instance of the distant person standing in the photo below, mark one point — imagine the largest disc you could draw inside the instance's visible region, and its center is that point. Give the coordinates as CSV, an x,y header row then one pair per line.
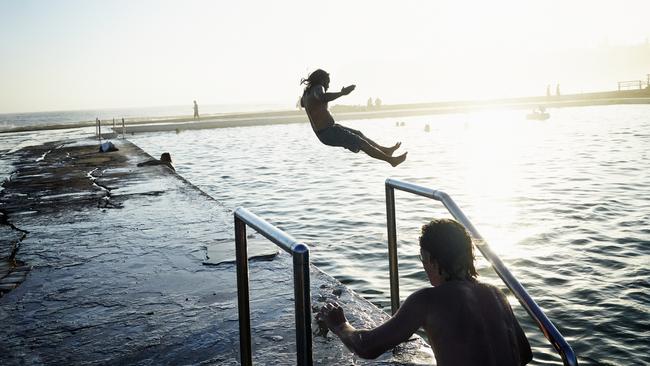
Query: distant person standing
x,y
369,104
196,110
557,90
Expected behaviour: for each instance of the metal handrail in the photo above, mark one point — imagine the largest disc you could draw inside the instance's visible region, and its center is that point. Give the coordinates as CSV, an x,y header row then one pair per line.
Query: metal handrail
x,y
545,325
302,295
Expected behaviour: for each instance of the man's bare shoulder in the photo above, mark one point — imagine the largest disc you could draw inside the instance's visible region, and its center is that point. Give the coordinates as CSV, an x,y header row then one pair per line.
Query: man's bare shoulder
x,y
472,285
313,95
449,293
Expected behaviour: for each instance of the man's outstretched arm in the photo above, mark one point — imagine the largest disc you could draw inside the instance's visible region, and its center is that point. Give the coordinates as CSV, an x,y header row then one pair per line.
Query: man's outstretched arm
x,y
328,97
371,343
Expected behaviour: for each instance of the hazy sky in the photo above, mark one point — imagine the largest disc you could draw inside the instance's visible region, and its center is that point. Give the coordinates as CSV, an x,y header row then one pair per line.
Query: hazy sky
x,y
61,55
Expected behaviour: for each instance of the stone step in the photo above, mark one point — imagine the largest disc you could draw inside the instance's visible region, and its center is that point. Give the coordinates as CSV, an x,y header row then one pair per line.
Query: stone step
x,y
7,286
22,269
14,278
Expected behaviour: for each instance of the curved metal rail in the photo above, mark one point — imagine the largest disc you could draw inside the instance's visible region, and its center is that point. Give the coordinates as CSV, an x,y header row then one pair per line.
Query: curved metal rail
x,y
545,325
302,296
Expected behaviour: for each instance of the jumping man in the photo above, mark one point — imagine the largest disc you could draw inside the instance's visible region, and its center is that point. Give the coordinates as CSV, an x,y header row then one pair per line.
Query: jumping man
x,y
314,100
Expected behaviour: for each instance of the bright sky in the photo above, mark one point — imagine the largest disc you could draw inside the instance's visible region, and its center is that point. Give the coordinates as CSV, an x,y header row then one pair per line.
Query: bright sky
x,y
63,55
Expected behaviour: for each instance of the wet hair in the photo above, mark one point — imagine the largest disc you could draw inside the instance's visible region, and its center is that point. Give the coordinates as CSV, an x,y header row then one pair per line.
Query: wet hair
x,y
450,245
315,78
165,157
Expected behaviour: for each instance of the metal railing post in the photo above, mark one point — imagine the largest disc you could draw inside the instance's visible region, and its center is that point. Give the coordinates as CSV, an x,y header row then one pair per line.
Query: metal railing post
x,y
302,304
392,249
241,255
545,325
301,286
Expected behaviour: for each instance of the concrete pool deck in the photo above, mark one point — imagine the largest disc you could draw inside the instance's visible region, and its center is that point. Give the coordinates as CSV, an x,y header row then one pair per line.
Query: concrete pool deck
x,y
116,275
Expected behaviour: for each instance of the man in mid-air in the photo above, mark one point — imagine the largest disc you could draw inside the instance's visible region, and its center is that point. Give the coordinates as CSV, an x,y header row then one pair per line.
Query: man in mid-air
x,y
314,100
467,322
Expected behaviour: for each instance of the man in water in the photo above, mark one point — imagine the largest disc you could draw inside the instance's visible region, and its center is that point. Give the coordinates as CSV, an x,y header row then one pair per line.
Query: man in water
x,y
467,322
314,100
165,159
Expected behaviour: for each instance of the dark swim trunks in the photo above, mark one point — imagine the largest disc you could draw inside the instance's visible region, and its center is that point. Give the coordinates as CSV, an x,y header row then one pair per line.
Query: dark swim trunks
x,y
342,136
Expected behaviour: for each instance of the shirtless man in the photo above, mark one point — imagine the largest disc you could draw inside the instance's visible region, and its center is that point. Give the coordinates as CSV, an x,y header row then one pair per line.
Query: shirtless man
x,y
314,100
467,322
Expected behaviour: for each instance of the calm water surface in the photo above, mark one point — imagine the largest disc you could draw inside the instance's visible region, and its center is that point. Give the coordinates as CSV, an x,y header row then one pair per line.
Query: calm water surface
x,y
565,203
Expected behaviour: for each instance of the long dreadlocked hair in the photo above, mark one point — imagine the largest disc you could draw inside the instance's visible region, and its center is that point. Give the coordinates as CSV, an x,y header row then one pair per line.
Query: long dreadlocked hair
x,y
316,77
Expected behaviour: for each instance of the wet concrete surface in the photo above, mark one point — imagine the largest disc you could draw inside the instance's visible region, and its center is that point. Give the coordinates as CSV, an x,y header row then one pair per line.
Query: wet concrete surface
x,y
116,255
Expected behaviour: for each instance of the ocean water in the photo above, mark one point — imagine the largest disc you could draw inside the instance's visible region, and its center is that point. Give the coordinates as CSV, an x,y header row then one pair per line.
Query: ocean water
x,y
12,120
565,203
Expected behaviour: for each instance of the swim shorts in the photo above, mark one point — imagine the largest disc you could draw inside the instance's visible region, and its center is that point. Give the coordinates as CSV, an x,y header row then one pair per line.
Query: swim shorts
x,y
342,136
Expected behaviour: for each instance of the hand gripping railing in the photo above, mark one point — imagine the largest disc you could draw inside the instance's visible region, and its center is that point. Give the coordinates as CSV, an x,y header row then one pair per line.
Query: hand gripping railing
x,y
300,253
545,325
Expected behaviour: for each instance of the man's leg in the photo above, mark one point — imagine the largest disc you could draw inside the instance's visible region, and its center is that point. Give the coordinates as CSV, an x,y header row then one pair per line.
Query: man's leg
x,y
386,150
376,153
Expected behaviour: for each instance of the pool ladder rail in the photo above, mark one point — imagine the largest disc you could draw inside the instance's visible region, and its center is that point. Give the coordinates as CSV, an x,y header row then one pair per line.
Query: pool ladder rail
x,y
545,325
301,281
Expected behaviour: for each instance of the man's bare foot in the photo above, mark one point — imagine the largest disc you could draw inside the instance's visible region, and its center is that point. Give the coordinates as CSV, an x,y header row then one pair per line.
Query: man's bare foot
x,y
397,160
390,150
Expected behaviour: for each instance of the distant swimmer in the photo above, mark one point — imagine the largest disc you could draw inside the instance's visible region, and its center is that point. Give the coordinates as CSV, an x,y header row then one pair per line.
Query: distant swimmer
x,y
165,159
314,100
196,110
467,322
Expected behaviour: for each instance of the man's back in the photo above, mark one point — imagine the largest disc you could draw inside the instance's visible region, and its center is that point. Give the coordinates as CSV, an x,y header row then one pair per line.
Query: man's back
x,y
470,323
316,108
